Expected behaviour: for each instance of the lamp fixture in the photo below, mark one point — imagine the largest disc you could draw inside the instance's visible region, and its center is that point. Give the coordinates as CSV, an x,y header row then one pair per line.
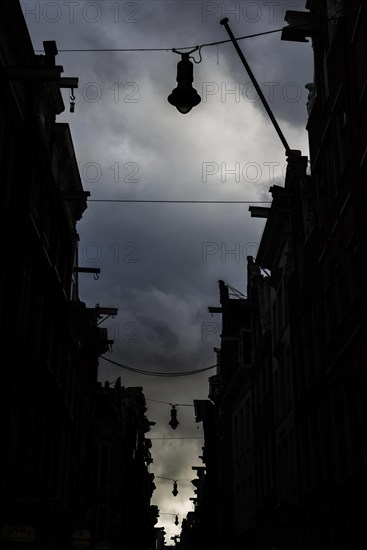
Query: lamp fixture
x,y
175,490
173,422
184,97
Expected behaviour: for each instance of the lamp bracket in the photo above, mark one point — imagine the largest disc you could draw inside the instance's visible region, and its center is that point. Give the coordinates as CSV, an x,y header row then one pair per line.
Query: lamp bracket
x,y
188,53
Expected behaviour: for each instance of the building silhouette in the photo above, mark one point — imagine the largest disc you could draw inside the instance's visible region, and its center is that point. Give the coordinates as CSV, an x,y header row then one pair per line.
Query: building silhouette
x,y
120,485
64,438
290,392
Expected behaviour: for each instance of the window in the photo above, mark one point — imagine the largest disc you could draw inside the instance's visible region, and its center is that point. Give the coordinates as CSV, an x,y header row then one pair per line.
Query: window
x,y
10,149
274,320
362,419
352,249
308,348
305,457
256,394
102,522
271,460
25,301
280,308
360,48
292,464
288,380
104,465
246,348
322,426
325,79
241,428
329,313
285,467
276,395
281,388
338,283
264,466
235,437
332,12
267,375
299,363
316,336
261,386
341,144
331,167
248,420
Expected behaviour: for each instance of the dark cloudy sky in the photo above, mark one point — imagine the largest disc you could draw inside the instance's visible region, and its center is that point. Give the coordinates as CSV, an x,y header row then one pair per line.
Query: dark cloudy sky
x,y
160,263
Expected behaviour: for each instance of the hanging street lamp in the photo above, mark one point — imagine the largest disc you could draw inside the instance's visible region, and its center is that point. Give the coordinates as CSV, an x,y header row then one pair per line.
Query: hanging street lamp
x,y
184,97
173,422
175,491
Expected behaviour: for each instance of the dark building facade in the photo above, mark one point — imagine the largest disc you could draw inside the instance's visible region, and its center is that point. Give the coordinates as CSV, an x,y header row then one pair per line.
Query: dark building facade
x,y
54,338
120,485
290,422
327,297
74,459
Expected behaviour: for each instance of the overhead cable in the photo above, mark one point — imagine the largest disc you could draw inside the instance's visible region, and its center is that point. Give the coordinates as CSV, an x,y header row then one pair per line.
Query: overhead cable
x,y
208,44
155,373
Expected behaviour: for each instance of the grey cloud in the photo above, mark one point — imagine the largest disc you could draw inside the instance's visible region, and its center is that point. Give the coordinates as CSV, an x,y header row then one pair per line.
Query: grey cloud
x,y
160,263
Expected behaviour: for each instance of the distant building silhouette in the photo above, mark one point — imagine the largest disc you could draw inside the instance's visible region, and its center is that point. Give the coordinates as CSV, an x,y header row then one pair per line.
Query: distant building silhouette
x,y
120,484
